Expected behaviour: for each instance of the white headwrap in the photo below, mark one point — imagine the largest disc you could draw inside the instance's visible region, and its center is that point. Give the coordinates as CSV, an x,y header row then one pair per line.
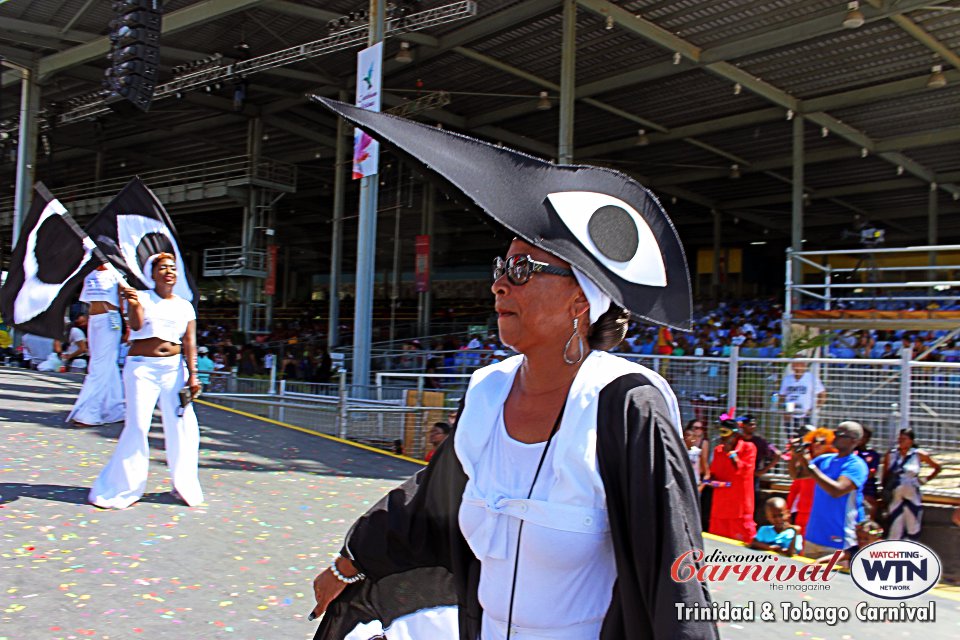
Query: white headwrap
x,y
599,301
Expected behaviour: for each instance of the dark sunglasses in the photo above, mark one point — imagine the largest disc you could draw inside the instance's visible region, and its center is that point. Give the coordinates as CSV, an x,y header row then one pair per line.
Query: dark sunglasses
x,y
518,269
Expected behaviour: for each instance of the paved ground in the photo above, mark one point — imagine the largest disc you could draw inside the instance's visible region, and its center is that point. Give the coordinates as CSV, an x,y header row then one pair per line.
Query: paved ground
x,y
240,566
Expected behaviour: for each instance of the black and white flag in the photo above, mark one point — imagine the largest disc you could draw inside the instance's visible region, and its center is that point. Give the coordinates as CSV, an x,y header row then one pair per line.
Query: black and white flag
x,y
47,267
133,227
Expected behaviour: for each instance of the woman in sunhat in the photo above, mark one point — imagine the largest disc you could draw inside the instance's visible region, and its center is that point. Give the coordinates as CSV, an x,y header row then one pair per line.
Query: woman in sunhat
x,y
564,493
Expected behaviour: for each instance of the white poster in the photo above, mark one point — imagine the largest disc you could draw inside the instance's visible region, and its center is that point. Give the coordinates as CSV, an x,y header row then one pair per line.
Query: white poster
x,y
366,150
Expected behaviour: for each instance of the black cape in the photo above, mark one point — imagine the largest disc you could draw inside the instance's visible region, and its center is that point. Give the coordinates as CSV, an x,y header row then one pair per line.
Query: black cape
x,y
411,549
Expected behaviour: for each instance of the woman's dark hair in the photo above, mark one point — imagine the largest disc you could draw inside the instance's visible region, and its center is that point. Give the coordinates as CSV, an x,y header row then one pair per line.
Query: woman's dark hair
x,y
609,329
909,433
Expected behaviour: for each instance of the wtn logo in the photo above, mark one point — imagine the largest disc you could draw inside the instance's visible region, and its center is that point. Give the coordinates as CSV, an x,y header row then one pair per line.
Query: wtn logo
x,y
903,570
895,569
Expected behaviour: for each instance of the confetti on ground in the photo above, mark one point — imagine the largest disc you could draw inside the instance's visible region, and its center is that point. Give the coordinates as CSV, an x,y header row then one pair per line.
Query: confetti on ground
x,y
239,566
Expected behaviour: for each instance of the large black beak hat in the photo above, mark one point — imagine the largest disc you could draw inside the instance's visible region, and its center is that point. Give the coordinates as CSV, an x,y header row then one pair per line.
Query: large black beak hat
x,y
599,220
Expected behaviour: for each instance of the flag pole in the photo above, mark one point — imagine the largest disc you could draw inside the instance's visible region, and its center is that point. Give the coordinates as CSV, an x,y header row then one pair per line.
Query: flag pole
x,y
90,244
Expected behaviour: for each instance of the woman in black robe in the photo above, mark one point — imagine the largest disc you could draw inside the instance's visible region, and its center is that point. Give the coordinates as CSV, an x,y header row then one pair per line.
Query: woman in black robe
x,y
410,548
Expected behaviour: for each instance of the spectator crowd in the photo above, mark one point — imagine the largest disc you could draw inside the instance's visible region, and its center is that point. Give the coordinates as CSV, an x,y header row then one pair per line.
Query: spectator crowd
x,y
843,493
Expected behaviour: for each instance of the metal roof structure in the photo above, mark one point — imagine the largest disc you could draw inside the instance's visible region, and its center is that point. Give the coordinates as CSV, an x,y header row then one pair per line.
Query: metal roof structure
x,y
715,86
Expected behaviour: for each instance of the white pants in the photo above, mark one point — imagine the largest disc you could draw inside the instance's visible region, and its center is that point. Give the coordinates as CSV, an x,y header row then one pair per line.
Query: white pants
x,y
101,398
124,480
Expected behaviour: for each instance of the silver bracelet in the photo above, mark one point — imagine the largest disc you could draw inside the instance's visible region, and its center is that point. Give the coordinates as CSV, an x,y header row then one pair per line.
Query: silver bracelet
x,y
342,578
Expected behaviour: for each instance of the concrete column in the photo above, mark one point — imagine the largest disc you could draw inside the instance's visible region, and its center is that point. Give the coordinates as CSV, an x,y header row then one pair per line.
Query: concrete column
x,y
26,148
425,299
247,286
717,238
366,242
933,215
568,81
796,219
341,159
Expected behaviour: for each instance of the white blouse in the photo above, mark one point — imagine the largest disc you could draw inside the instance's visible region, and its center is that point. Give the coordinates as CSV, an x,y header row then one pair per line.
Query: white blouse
x,y
565,578
100,286
164,318
567,566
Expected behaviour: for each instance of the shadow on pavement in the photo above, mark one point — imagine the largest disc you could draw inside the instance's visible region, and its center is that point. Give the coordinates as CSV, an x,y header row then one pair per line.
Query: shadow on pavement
x,y
13,491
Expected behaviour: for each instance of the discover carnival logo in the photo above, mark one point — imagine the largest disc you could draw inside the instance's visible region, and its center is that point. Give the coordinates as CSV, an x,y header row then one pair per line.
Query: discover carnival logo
x,y
895,569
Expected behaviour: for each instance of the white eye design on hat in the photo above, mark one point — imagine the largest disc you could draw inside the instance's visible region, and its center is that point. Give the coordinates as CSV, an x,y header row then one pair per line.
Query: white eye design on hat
x,y
614,233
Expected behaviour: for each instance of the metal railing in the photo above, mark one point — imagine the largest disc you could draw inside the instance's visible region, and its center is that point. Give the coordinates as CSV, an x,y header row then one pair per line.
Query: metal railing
x,y
873,286
884,395
394,418
230,169
234,261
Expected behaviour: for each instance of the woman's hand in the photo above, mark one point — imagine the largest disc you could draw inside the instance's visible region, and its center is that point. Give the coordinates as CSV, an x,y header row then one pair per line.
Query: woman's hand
x,y
130,295
194,383
326,588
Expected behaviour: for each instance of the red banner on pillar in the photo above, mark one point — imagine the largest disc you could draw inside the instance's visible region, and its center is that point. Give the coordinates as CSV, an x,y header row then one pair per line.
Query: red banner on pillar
x,y
270,284
422,264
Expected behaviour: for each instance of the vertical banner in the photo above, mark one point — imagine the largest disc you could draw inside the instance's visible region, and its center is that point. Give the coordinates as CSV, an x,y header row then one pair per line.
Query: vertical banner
x,y
422,264
270,284
366,150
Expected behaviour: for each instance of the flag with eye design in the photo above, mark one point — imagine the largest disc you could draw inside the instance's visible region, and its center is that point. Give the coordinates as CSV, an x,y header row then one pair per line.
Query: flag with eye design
x,y
599,220
133,227
47,267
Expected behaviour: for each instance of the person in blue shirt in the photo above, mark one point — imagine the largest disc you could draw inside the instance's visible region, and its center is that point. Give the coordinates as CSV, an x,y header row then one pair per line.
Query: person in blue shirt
x,y
204,365
838,496
779,535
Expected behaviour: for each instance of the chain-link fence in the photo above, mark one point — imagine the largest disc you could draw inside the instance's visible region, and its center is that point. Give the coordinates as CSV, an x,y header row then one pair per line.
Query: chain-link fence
x,y
884,395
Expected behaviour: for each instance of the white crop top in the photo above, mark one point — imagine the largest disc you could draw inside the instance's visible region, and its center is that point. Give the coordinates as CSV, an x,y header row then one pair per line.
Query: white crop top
x,y
164,318
100,286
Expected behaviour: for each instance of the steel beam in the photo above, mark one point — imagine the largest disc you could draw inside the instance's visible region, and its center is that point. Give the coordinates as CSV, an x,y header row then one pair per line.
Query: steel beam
x,y
568,81
299,130
299,10
847,190
660,36
477,29
76,16
897,143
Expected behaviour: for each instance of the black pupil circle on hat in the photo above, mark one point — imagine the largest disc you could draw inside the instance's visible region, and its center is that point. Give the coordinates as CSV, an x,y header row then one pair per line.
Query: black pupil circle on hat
x,y
56,259
152,244
614,233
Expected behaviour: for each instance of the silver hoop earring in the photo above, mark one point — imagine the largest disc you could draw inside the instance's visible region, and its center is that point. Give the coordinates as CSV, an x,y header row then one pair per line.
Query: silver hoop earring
x,y
566,347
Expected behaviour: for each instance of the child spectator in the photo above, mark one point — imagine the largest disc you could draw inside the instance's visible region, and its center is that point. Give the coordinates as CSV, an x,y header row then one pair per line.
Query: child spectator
x,y
691,439
780,535
731,514
437,434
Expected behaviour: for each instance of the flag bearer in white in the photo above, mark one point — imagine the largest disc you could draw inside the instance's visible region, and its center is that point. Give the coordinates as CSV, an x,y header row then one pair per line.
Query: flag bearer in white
x,y
101,398
162,338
